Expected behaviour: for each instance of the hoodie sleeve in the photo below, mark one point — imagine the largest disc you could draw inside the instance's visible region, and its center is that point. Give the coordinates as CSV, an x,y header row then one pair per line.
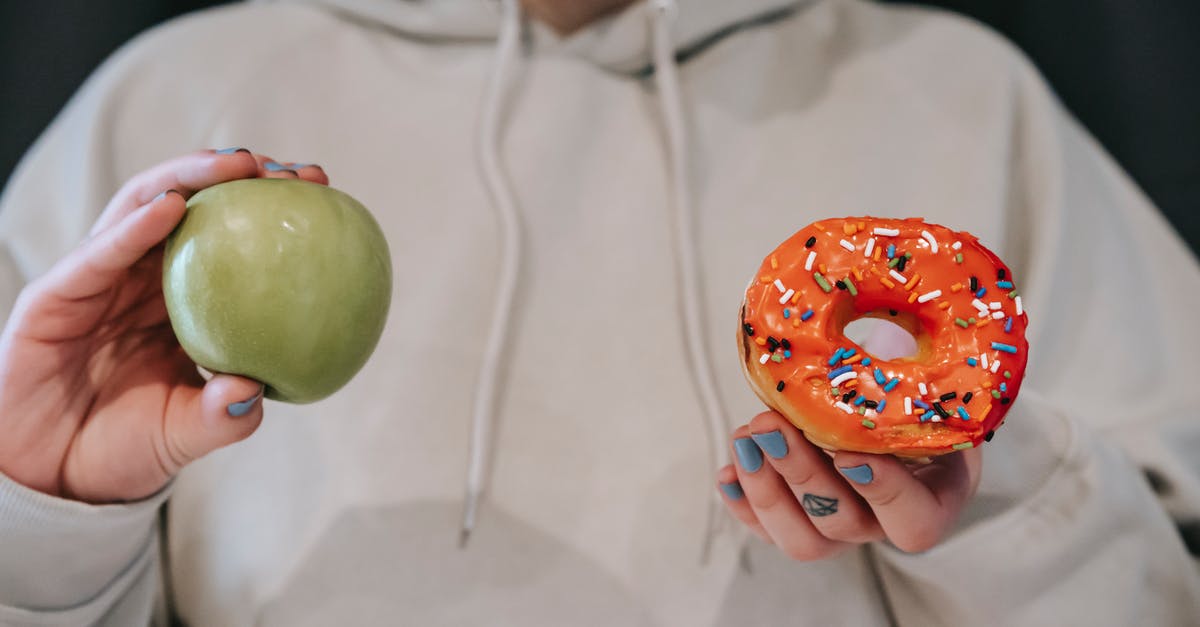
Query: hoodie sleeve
x,y
1086,488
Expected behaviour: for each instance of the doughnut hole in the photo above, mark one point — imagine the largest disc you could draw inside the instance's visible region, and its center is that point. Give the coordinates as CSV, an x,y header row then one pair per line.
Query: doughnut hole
x,y
881,337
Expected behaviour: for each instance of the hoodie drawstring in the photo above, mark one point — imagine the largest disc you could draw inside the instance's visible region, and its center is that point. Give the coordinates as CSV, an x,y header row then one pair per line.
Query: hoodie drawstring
x,y
500,193
692,305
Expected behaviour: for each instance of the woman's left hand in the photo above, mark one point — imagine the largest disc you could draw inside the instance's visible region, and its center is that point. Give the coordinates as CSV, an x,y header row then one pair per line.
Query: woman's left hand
x,y
813,505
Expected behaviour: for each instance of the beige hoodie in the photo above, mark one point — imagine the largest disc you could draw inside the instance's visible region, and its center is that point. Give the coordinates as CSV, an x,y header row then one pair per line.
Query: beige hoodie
x,y
347,511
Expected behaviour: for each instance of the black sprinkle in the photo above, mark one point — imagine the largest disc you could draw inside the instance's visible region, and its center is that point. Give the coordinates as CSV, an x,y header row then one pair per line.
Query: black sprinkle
x,y
811,240
893,311
1005,400
786,344
941,411
849,395
988,437
974,285
773,343
900,264
967,398
948,396
748,328
779,388
871,404
1000,274
841,285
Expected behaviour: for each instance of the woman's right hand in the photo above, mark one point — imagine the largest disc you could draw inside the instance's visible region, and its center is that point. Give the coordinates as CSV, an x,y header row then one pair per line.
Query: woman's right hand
x,y
98,402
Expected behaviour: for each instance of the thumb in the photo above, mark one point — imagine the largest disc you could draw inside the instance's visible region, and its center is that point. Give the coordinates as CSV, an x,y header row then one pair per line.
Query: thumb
x,y
227,410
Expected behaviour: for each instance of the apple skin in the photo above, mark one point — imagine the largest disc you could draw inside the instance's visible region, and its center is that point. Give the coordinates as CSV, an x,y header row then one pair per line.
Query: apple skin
x,y
279,280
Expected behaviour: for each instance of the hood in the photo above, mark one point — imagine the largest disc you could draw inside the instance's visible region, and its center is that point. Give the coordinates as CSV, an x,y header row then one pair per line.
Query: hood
x,y
620,42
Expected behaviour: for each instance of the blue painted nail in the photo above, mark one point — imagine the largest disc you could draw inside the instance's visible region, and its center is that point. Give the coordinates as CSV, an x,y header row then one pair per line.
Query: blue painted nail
x,y
297,166
230,151
861,475
749,456
275,167
733,490
240,409
772,443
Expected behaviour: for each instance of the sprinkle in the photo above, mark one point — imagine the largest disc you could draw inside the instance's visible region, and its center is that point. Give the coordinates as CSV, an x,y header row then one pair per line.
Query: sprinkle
x,y
1008,325
1020,310
808,263
962,323
962,413
994,305
996,315
881,405
948,396
907,256
866,361
894,262
891,385
891,251
978,304
907,405
1008,348
764,358
850,384
779,286
859,401
1003,386
849,395
988,437
974,283
847,245
1007,374
984,322
779,387
787,354
928,296
1000,274
844,407
777,358
852,360
879,378
857,273
944,304
980,292
786,296
958,258
956,245
748,328
995,365
787,313
851,287
924,390
901,262
806,315
862,411
848,228
811,240
956,287
822,282
837,355
773,342
870,247
927,415
1012,294
844,377
868,424
941,411
983,359
821,267
795,299
762,341
912,296
971,361
888,232
920,403
967,397
875,255
900,278
963,445
774,263
995,394
971,320
913,281
849,352
1004,285
933,246
887,282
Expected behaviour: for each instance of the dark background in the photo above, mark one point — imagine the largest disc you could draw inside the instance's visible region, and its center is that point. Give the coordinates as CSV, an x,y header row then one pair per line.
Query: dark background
x,y
1128,70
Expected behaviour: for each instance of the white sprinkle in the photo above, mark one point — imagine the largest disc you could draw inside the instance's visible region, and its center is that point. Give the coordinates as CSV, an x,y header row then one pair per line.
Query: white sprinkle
x,y
995,365
924,390
907,405
847,245
786,296
936,419
994,305
978,304
1020,310
998,315
928,296
957,245
883,231
870,247
844,377
983,359
779,286
899,277
929,238
844,407
764,358
812,256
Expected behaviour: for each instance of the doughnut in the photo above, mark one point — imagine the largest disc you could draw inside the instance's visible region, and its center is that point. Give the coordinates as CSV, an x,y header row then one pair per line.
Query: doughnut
x,y
957,299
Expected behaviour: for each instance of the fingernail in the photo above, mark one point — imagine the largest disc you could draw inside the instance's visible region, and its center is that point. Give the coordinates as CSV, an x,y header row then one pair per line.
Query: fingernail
x,y
163,194
772,443
749,456
733,490
230,151
240,409
861,475
271,166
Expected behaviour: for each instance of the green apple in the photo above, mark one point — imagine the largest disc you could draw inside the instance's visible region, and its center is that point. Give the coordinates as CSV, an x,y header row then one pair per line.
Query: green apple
x,y
282,281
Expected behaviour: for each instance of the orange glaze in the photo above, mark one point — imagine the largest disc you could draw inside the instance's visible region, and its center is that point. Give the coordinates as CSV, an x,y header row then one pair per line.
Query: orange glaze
x,y
809,400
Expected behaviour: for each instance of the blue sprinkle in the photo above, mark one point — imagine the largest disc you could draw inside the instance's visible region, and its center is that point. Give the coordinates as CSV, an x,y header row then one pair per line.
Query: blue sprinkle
x,y
920,403
971,361
837,356
882,404
787,354
963,413
1003,387
927,415
1008,325
1004,285
787,313
1008,348
833,374
879,378
866,361
981,292
891,251
849,353
806,315
860,400
891,385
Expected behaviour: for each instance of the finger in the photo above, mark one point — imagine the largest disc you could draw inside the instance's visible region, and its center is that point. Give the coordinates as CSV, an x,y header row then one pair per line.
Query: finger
x,y
735,501
186,175
775,506
227,410
834,508
310,172
914,508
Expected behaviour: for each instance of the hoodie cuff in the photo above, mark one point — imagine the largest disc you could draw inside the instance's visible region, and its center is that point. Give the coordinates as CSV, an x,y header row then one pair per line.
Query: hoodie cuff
x,y
60,554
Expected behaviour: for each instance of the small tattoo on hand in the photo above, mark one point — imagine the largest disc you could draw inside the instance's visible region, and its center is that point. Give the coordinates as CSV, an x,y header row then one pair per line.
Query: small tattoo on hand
x,y
818,505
